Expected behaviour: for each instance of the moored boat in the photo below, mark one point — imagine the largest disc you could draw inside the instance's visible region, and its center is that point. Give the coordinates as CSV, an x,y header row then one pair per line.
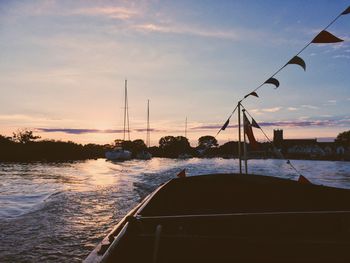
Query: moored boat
x,y
233,218
118,154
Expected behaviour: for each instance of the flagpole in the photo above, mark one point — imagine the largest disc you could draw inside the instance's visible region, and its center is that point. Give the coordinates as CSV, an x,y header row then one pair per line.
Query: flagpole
x,y
245,145
239,137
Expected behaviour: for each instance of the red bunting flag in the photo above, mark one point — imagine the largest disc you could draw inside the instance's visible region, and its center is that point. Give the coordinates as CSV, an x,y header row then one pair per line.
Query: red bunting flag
x,y
249,132
347,11
325,37
303,180
273,81
253,93
226,124
182,174
297,61
255,124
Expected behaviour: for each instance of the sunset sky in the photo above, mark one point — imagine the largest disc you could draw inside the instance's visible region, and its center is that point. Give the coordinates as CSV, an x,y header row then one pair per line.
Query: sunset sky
x,y
63,65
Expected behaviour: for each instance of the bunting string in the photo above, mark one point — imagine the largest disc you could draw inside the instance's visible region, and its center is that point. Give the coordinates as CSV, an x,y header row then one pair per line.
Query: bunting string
x,y
323,37
227,122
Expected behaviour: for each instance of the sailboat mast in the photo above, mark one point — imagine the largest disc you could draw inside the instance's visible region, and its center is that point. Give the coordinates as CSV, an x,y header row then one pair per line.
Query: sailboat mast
x,y
186,128
126,112
125,91
148,139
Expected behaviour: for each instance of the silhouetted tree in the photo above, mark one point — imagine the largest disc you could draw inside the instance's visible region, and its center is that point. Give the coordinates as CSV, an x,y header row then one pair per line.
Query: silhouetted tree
x,y
173,146
135,146
343,138
206,142
24,136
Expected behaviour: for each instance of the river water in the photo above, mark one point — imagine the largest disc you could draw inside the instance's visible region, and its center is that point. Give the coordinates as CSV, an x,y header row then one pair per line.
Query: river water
x,y
58,212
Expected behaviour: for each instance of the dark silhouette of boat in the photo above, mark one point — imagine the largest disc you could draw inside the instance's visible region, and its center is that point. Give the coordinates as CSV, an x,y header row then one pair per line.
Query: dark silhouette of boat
x,y
233,218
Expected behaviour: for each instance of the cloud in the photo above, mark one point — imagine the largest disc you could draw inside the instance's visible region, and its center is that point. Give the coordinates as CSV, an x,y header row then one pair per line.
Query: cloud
x,y
311,107
261,111
296,123
275,109
84,131
342,56
121,13
188,30
292,109
330,103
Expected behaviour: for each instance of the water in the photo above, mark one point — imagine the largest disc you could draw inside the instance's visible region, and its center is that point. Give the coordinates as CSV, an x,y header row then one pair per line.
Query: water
x,y
58,212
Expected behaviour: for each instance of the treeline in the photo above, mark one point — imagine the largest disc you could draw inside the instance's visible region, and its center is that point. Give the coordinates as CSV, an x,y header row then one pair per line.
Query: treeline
x,y
25,146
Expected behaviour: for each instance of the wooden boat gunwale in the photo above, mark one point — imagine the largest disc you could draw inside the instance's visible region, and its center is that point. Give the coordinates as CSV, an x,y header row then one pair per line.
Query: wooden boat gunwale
x,y
101,251
138,217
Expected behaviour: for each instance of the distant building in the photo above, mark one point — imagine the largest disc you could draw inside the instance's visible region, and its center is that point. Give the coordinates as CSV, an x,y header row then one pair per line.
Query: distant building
x,y
307,147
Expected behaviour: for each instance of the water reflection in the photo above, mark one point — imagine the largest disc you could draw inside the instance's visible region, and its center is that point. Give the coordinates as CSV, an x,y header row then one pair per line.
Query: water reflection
x,y
69,207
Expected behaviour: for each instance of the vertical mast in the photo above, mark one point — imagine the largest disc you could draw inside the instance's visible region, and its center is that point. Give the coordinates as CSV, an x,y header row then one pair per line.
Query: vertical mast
x,y
126,112
186,128
148,138
125,91
245,143
239,137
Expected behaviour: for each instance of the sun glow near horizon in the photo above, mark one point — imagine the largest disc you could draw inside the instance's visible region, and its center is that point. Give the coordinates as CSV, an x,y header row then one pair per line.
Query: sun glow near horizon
x,y
64,65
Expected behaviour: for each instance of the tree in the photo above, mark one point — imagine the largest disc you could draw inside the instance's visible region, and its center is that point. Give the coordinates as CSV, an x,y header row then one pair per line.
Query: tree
x,y
24,136
343,138
135,146
206,142
173,146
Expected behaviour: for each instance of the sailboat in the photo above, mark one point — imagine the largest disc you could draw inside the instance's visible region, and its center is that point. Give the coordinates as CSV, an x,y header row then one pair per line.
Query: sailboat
x,y
145,155
118,153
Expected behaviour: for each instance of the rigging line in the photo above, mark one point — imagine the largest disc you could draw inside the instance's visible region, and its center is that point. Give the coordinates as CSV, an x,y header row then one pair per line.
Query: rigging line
x,y
274,74
227,118
274,146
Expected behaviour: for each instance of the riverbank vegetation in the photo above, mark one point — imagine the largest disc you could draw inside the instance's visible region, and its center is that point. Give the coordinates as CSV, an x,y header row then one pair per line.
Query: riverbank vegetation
x,y
25,146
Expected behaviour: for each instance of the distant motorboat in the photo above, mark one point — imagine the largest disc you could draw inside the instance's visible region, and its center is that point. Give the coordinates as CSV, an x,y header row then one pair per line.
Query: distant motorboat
x,y
118,154
144,155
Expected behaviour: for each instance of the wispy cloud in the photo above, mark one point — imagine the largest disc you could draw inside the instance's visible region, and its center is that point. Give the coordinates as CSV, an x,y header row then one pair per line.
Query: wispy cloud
x,y
121,13
261,111
330,103
342,56
311,107
296,123
84,131
292,109
188,30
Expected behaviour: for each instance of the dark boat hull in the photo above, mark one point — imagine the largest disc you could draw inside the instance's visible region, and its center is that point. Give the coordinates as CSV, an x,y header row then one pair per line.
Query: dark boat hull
x,y
233,218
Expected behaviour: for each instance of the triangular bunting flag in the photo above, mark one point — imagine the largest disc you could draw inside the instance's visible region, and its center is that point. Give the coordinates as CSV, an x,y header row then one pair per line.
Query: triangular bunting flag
x,y
255,124
325,37
253,93
182,174
273,81
226,124
303,180
249,132
297,61
347,11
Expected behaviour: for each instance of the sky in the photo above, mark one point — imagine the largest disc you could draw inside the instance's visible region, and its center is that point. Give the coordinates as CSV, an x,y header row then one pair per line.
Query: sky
x,y
63,66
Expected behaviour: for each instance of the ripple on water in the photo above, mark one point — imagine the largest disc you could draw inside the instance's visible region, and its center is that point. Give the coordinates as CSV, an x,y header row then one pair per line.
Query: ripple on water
x,y
59,212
